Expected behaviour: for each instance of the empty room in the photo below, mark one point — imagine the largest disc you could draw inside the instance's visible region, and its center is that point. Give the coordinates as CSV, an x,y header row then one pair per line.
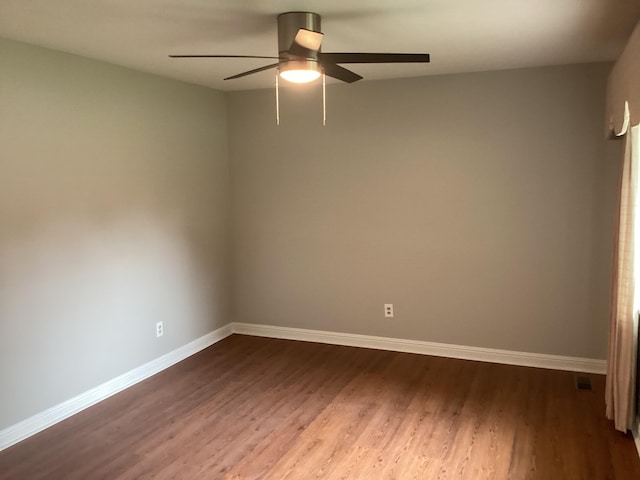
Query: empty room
x,y
329,240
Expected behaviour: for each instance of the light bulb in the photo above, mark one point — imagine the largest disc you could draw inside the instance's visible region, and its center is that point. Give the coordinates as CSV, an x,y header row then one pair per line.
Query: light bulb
x,y
300,76
300,71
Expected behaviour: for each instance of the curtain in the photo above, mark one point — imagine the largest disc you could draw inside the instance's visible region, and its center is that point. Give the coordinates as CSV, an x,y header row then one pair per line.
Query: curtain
x,y
623,328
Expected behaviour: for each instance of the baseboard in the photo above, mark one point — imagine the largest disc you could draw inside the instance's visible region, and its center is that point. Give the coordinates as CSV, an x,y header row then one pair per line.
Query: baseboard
x,y
554,362
32,425
37,423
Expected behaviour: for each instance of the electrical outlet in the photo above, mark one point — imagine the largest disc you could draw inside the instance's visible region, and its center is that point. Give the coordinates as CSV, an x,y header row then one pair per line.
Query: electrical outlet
x,y
159,329
388,310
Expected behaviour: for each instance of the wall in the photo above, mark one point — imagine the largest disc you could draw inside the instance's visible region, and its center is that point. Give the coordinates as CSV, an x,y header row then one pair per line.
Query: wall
x,y
113,216
624,86
480,205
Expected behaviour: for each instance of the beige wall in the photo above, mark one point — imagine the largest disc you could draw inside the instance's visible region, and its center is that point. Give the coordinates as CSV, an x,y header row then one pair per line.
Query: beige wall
x,y
624,85
113,216
480,205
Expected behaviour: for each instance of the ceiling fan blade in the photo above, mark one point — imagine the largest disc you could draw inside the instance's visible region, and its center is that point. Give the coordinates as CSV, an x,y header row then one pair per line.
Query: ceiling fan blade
x,y
373,57
255,70
306,43
341,73
222,56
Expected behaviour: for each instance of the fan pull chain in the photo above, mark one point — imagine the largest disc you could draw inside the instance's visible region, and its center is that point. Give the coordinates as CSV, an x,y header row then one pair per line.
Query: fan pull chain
x,y
277,98
324,100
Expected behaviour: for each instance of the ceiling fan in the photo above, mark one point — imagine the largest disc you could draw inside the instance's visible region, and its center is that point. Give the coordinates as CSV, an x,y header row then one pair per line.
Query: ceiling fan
x,y
300,58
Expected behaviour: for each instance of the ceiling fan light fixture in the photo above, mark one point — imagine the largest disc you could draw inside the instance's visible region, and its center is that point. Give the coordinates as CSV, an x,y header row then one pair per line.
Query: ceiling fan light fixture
x,y
300,71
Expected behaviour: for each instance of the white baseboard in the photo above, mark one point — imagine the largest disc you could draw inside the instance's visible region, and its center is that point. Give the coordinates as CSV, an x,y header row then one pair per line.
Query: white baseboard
x,y
32,425
554,362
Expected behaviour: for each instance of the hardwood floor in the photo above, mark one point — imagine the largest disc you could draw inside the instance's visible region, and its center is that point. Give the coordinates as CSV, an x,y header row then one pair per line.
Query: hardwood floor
x,y
255,408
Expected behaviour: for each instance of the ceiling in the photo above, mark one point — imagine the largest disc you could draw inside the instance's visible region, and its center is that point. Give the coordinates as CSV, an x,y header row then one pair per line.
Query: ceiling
x,y
460,35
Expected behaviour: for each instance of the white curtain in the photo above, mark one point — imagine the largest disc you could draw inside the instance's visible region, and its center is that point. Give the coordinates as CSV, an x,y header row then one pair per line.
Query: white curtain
x,y
625,299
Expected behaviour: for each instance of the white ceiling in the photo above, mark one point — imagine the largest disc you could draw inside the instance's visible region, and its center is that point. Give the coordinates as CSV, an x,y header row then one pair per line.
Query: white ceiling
x,y
460,35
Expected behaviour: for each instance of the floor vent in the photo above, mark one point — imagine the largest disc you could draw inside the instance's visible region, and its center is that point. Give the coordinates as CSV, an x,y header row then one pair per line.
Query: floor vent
x,y
583,383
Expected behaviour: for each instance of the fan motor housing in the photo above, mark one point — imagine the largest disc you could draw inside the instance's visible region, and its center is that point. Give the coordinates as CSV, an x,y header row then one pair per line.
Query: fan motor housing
x,y
288,25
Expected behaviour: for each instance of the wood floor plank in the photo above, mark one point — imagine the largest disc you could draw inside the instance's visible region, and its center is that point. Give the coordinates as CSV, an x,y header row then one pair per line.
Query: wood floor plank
x,y
251,408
